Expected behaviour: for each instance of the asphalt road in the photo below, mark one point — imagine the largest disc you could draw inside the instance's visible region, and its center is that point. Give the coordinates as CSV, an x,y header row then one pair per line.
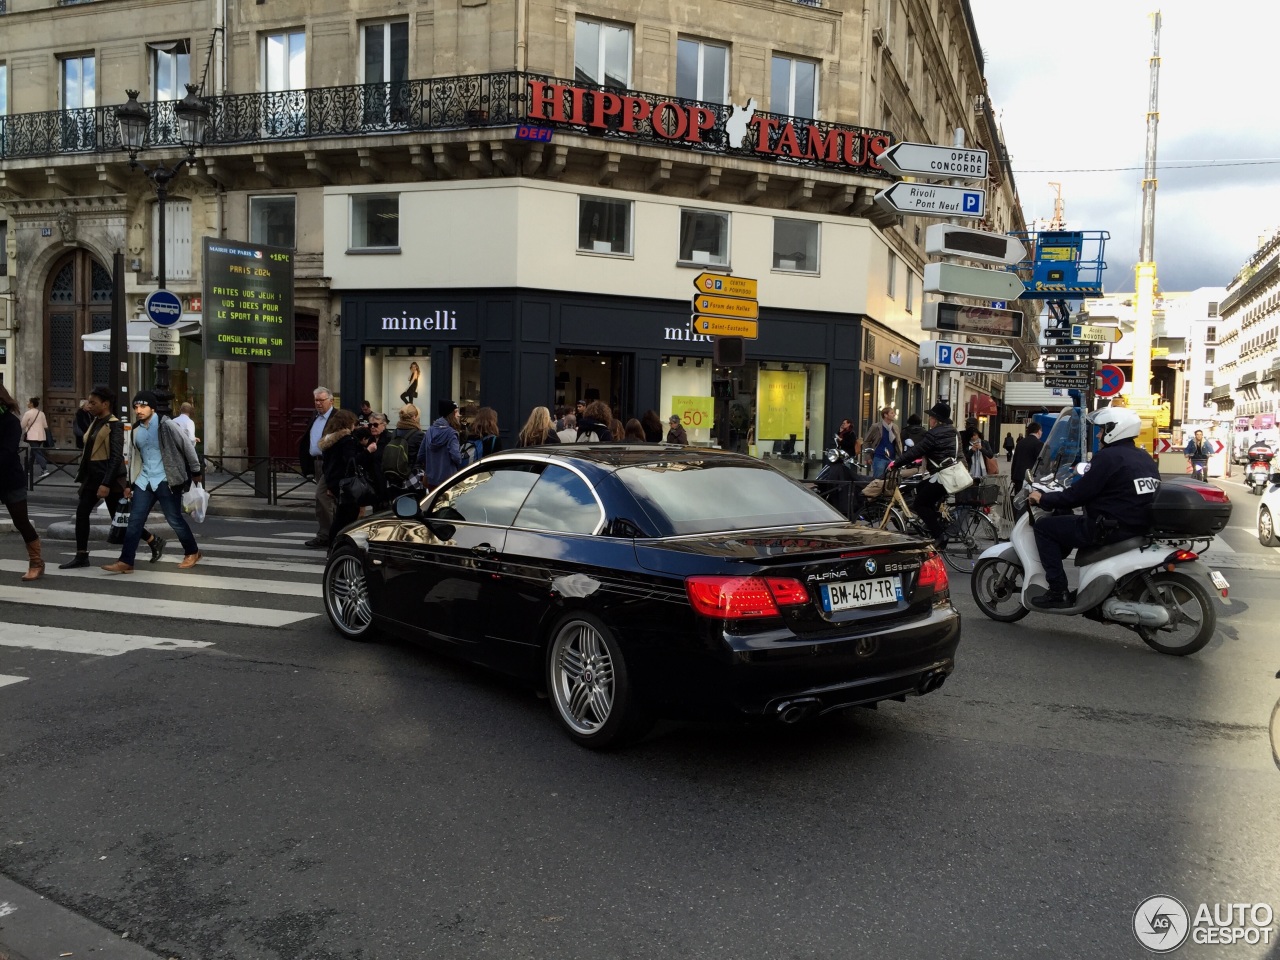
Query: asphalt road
x,y
236,781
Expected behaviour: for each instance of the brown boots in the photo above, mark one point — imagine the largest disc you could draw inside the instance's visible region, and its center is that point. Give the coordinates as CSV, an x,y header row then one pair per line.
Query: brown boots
x,y
35,569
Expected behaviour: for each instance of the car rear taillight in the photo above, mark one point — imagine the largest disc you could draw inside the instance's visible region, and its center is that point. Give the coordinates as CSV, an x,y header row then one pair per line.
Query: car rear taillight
x,y
933,573
742,598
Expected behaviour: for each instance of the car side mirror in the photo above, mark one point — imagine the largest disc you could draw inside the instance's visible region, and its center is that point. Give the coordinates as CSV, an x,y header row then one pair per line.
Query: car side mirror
x,y
1275,478
407,507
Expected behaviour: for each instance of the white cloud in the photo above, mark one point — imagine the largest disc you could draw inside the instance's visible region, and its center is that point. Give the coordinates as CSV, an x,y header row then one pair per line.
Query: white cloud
x,y
1070,84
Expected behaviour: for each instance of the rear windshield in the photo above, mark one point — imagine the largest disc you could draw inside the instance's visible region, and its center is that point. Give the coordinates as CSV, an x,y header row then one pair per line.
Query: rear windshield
x,y
707,497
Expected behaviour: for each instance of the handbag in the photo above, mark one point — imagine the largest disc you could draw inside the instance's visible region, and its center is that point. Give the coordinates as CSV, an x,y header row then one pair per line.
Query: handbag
x,y
993,466
952,473
119,523
355,490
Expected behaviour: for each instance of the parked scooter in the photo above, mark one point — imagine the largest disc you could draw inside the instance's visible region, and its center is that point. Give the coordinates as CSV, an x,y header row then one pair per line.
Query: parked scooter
x,y
838,482
1152,583
1258,475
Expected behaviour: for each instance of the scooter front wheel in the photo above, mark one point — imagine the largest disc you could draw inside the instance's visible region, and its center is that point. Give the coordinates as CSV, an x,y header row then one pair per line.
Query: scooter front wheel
x,y
997,589
1192,617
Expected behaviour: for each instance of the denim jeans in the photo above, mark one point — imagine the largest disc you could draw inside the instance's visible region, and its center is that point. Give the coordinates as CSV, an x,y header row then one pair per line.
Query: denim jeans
x,y
144,499
878,466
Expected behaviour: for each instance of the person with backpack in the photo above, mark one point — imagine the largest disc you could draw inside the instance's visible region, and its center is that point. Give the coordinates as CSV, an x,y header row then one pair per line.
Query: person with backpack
x,y
538,429
484,435
400,453
440,453
595,424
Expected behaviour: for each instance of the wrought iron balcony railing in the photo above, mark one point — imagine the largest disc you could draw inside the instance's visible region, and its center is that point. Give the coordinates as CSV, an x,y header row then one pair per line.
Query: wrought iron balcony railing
x,y
412,106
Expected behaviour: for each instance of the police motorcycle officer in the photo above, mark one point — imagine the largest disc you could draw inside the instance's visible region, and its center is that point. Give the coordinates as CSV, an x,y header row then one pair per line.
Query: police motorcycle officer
x,y
1116,493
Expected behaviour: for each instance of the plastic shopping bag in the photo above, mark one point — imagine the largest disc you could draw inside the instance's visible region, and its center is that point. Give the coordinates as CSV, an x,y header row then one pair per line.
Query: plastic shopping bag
x,y
119,523
195,502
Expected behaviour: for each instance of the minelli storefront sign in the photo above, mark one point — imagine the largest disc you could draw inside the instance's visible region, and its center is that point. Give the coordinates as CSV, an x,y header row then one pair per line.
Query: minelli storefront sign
x,y
732,129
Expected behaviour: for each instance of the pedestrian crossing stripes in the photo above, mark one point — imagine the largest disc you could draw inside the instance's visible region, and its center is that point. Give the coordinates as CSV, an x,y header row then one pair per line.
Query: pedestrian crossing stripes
x,y
153,606
90,642
155,574
6,680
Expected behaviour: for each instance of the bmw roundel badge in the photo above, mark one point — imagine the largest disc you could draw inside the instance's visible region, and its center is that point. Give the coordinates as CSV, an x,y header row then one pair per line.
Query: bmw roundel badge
x,y
871,566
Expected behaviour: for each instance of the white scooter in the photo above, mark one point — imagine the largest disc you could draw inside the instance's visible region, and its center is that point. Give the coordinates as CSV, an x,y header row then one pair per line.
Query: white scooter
x,y
1146,583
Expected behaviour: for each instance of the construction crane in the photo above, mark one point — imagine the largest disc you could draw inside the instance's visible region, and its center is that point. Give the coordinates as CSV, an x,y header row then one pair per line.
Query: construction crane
x,y
1059,221
1144,281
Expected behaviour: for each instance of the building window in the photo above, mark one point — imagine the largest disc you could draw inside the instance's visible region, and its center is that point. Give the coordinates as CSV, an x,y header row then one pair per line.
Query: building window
x,y
78,82
1211,334
702,71
891,286
1213,308
793,87
284,73
795,245
4,253
170,69
375,221
1211,355
704,237
177,239
911,292
4,89
604,226
384,68
602,54
272,221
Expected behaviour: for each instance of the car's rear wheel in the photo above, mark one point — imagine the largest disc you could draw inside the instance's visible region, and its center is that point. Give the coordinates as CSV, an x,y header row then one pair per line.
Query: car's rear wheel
x,y
589,685
1266,528
346,595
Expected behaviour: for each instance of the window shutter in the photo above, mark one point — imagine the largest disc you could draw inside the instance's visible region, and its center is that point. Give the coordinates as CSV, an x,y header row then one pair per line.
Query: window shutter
x,y
177,239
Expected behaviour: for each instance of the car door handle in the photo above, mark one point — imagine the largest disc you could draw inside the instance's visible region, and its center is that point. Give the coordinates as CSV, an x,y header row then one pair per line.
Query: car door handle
x,y
483,550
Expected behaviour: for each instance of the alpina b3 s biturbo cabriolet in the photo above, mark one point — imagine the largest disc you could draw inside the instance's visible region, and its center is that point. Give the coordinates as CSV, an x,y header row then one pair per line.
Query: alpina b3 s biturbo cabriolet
x,y
632,581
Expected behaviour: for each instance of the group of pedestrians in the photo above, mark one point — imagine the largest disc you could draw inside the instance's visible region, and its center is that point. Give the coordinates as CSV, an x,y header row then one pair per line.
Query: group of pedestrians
x,y
409,458
164,462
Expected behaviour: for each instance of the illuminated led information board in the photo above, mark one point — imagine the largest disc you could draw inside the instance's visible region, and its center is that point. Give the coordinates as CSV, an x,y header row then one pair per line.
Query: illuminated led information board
x,y
248,302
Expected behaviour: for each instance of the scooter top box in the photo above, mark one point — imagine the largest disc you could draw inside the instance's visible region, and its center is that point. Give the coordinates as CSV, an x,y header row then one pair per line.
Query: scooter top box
x,y
1189,508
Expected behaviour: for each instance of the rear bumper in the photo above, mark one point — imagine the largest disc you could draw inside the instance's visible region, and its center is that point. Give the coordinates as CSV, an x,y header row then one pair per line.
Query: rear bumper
x,y
760,674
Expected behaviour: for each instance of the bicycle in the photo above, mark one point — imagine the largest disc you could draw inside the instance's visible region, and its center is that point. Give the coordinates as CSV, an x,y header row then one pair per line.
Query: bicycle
x,y
968,531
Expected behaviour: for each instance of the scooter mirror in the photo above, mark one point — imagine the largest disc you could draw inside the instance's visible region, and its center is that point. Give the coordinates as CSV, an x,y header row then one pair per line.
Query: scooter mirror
x,y
909,442
1082,468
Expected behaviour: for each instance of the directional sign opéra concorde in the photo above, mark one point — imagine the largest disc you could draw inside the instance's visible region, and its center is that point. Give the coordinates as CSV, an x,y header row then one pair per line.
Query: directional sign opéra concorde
x,y
905,159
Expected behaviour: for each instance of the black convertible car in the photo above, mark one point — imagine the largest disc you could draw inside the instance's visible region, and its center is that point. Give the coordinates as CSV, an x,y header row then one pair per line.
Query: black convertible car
x,y
640,580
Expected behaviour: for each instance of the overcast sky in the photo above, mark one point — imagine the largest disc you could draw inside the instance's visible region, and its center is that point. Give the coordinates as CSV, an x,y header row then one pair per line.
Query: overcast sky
x,y
1070,86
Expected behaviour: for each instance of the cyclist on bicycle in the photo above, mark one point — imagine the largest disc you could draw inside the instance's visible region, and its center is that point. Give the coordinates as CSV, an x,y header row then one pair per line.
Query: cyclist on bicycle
x,y
938,444
1198,452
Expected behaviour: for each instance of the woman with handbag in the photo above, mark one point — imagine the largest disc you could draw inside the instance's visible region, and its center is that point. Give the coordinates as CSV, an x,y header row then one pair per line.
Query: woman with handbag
x,y
13,483
346,462
940,449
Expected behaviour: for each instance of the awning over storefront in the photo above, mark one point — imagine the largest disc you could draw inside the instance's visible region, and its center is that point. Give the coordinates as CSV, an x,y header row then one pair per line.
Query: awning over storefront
x,y
139,333
981,405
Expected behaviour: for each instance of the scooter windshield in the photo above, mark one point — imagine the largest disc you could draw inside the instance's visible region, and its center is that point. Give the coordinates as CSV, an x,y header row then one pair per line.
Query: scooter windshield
x,y
1063,447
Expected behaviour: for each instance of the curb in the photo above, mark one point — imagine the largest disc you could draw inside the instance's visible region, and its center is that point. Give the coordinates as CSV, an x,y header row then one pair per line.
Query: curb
x,y
33,927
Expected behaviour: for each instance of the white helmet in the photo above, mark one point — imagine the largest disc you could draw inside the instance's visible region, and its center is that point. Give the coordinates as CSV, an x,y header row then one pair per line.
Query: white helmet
x,y
1117,423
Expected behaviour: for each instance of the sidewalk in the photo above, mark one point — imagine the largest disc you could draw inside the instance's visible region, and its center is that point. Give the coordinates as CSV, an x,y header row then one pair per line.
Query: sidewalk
x,y
33,927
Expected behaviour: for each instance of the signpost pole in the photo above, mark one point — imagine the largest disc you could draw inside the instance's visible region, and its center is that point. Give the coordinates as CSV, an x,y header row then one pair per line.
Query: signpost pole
x,y
118,377
262,430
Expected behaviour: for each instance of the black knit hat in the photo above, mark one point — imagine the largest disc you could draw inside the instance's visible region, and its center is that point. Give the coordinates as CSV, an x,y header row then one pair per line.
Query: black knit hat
x,y
445,407
145,396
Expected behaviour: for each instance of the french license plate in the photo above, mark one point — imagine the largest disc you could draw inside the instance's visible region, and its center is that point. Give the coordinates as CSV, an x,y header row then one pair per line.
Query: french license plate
x,y
1218,580
849,594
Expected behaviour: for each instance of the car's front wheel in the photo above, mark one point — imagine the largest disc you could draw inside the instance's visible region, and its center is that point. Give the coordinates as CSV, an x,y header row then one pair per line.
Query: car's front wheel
x,y
589,684
1266,528
346,595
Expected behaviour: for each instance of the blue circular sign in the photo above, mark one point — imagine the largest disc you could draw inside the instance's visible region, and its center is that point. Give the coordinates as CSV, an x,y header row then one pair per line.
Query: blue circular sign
x,y
163,308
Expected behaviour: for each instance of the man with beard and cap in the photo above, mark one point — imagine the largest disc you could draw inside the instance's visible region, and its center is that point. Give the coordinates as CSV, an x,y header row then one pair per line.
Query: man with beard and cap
x,y
938,444
164,462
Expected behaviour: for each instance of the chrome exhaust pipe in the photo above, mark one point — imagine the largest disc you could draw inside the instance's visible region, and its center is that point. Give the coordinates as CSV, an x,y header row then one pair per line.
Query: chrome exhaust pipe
x,y
793,711
931,681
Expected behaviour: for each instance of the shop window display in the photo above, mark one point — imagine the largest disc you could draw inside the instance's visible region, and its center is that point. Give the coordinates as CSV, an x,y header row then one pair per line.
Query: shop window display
x,y
767,409
394,377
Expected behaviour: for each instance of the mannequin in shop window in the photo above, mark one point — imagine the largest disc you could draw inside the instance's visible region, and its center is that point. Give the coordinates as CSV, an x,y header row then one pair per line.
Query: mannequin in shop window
x,y
411,392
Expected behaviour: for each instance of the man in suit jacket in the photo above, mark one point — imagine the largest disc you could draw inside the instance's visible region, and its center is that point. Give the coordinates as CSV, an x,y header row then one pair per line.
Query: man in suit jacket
x,y
309,459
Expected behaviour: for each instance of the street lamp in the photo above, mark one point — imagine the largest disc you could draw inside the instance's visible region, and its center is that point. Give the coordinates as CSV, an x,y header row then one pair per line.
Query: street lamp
x,y
135,123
